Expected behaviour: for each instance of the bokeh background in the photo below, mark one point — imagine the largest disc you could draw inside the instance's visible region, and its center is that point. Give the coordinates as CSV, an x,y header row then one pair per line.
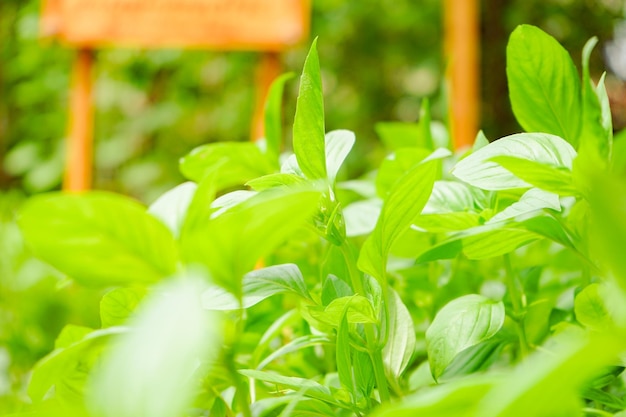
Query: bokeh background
x,y
380,59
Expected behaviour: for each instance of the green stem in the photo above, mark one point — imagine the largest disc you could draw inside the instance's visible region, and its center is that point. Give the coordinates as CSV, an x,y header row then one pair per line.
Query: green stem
x,y
240,384
374,348
518,301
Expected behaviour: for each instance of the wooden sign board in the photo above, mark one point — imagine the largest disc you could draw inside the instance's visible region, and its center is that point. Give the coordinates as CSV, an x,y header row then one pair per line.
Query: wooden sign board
x,y
260,25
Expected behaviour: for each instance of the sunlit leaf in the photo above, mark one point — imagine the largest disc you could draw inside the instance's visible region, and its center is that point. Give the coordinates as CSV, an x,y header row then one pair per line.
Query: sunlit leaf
x,y
308,126
99,238
401,341
273,115
258,285
338,146
117,305
460,324
239,162
480,170
168,336
543,84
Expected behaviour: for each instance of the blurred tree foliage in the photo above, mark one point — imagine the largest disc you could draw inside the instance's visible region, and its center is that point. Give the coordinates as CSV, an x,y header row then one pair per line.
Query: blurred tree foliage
x,y
380,58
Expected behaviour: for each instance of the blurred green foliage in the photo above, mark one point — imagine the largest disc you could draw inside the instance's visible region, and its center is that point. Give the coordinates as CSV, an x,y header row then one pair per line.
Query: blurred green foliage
x,y
381,58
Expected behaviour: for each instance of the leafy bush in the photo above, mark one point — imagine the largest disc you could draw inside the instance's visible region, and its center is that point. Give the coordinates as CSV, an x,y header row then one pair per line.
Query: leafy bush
x,y
484,284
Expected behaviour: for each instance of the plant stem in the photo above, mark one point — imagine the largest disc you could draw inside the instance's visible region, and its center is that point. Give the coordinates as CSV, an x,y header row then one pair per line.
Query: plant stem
x,y
375,351
518,301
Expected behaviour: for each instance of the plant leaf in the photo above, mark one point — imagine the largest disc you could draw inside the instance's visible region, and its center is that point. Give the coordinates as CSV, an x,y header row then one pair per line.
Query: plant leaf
x,y
273,116
543,84
342,353
99,238
591,310
404,203
360,310
338,146
597,130
308,387
460,324
62,362
176,332
547,177
401,342
293,346
532,200
454,399
308,126
479,169
547,384
258,285
117,305
231,244
171,207
238,163
361,216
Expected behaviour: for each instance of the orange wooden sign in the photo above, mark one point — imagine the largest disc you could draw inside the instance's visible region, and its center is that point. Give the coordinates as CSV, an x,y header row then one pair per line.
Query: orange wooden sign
x,y
260,25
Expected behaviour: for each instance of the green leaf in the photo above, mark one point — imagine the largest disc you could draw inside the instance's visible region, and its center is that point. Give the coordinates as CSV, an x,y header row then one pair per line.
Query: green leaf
x,y
446,222
543,84
404,203
364,374
308,387
547,384
480,170
401,341
460,324
273,116
258,285
608,231
473,359
481,242
274,180
231,244
360,310
99,238
397,135
334,288
455,399
238,163
557,180
342,353
394,166
170,334
591,310
71,334
338,146
199,210
453,196
597,132
308,126
531,201
480,142
294,346
64,361
171,207
361,216
118,305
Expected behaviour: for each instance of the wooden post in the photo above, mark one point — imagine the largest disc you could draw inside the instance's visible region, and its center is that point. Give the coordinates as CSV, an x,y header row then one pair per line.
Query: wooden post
x,y
462,50
268,69
79,145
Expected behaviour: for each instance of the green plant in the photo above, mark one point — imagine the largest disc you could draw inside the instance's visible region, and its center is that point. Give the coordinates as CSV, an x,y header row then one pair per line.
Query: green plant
x,y
495,290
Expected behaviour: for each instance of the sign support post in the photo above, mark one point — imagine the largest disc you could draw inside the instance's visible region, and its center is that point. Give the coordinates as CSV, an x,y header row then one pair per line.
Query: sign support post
x,y
79,145
268,69
462,49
